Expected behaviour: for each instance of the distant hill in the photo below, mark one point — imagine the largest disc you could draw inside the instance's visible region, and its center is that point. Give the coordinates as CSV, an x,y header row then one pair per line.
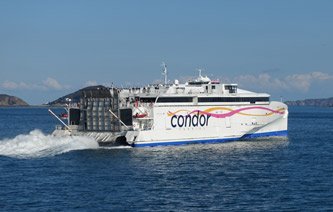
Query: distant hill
x,y
75,96
6,100
312,102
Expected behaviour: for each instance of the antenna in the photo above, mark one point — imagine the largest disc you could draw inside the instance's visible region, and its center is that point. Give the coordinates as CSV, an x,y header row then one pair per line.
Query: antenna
x,y
165,73
200,70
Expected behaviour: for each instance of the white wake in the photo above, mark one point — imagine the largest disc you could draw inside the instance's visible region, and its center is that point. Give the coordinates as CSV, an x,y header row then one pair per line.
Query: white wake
x,y
36,144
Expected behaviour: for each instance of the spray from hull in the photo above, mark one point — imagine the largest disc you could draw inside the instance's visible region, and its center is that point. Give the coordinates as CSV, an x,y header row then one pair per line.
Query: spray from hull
x,y
36,145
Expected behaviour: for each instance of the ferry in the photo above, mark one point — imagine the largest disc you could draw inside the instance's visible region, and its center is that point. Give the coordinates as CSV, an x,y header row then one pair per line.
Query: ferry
x,y
198,111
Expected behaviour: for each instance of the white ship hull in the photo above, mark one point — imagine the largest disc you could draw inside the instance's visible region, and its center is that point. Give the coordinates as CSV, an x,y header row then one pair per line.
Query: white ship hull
x,y
179,125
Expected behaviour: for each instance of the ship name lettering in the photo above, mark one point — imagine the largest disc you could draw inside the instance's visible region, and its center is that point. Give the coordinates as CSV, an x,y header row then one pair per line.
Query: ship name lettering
x,y
189,121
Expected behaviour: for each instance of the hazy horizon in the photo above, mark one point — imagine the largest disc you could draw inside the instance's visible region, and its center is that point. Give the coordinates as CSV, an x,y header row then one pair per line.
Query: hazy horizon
x,y
49,49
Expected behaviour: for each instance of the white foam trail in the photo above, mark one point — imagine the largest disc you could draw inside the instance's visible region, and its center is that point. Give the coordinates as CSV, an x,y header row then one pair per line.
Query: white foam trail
x,y
36,144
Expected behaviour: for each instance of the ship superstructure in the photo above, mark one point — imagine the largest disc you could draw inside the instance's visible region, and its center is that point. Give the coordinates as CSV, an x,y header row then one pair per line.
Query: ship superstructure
x,y
198,111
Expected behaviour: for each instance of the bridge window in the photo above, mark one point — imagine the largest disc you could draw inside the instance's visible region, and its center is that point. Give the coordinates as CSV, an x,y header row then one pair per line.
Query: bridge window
x,y
174,99
234,99
231,88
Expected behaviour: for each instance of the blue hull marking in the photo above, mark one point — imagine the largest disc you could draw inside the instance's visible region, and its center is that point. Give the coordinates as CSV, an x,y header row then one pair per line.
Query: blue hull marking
x,y
217,140
266,134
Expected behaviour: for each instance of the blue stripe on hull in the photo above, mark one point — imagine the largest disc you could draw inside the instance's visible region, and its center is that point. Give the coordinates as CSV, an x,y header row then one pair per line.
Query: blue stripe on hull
x,y
267,134
218,140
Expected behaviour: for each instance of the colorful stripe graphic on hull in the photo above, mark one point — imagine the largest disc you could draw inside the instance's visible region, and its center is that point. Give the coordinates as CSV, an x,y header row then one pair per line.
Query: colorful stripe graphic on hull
x,y
231,112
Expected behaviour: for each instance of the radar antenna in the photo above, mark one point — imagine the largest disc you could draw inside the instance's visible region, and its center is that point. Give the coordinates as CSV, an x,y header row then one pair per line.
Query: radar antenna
x,y
165,73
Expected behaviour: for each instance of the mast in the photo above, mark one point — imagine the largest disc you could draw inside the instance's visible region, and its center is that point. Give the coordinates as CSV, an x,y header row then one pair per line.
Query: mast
x,y
199,70
165,73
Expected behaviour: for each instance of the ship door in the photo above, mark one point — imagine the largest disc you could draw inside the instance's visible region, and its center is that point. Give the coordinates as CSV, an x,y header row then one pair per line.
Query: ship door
x,y
74,116
227,122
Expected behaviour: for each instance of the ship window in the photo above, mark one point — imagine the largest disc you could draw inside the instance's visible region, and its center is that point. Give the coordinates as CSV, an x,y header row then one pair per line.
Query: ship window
x,y
213,87
174,99
231,88
148,99
197,83
234,99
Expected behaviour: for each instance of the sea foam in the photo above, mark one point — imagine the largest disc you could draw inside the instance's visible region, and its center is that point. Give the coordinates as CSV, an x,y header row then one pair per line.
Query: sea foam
x,y
36,144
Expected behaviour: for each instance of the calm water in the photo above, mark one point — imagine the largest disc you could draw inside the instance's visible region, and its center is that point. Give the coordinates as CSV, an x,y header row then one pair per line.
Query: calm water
x,y
39,172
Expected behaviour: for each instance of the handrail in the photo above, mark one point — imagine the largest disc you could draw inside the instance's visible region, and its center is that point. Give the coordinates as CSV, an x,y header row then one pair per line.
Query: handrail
x,y
119,119
59,120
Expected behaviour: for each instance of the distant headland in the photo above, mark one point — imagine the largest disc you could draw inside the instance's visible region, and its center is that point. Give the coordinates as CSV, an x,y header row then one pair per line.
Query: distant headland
x,y
75,96
328,102
6,100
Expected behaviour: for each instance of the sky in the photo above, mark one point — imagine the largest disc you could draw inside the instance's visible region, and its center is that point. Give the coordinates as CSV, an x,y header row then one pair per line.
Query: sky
x,y
51,48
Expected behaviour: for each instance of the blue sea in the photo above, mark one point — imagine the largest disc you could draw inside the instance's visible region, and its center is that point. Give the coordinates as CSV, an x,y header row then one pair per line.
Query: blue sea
x,y
41,173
